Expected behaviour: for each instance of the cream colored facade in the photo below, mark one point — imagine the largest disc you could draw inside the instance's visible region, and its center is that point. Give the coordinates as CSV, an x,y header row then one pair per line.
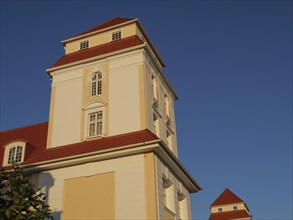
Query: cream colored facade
x,y
142,181
229,207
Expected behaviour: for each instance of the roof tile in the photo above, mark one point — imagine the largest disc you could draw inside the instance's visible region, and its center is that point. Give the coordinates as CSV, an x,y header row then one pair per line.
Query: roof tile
x,y
106,24
229,215
36,137
99,50
227,197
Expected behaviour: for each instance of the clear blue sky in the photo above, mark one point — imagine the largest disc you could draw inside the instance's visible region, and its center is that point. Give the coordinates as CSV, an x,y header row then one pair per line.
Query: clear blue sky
x,y
230,63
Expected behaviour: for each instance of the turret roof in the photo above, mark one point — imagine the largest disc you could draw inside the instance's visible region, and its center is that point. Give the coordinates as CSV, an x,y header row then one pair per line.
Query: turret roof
x,y
227,197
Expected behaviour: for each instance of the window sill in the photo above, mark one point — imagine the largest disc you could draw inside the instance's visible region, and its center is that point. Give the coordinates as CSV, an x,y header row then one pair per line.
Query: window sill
x,y
88,138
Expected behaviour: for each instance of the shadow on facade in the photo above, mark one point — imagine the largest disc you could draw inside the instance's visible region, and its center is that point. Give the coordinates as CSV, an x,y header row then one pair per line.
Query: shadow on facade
x,y
47,181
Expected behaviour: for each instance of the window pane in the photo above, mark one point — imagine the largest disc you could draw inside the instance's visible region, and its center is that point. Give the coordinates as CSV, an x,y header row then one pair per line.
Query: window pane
x,y
94,88
99,87
99,127
92,129
11,155
18,155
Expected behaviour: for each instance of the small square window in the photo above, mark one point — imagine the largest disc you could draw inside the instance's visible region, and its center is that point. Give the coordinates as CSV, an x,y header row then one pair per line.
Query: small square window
x,y
116,35
235,207
83,45
220,209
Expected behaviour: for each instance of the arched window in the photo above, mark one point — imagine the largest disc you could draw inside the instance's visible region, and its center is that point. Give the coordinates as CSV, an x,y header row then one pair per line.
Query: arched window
x,y
14,152
96,84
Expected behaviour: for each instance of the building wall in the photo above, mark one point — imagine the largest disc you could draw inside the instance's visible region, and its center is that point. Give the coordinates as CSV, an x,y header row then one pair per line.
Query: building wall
x,y
125,112
101,38
164,172
228,207
66,104
130,199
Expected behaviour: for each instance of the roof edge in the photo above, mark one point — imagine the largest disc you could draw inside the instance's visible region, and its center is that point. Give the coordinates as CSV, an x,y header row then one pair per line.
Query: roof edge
x,y
98,31
93,58
23,127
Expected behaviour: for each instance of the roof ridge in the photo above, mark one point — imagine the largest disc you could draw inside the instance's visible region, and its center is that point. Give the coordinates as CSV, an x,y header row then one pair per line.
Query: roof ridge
x,y
120,20
23,127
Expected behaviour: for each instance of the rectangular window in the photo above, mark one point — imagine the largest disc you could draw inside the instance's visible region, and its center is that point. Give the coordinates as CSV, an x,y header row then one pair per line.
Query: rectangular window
x,y
235,207
182,206
116,35
220,209
168,193
96,123
83,45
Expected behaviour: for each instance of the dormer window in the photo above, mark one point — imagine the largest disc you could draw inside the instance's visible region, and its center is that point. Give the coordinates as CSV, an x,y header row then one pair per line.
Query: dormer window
x,y
116,35
14,152
83,45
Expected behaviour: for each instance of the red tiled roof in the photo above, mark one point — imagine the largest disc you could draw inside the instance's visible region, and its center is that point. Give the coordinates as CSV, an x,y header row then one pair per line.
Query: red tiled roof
x,y
36,136
99,50
106,24
92,146
229,215
227,197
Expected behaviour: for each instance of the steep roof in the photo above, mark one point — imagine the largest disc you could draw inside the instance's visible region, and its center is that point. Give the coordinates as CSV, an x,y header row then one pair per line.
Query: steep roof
x,y
110,23
36,138
229,215
227,197
99,50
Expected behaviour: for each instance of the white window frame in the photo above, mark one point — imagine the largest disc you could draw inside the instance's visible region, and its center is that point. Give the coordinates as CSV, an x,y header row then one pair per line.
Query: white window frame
x,y
84,45
116,35
91,108
14,145
96,85
235,207
95,124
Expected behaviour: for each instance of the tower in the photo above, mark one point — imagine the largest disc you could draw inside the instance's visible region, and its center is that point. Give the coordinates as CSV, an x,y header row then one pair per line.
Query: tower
x,y
229,206
109,149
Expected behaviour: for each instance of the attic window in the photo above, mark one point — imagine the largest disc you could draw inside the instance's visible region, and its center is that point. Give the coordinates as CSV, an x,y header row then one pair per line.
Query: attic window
x,y
83,45
116,35
14,152
235,207
220,209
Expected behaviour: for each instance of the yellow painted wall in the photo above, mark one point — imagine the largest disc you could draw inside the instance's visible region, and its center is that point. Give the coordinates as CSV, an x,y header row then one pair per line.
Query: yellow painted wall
x,y
101,38
86,94
150,186
168,215
91,197
66,103
228,207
